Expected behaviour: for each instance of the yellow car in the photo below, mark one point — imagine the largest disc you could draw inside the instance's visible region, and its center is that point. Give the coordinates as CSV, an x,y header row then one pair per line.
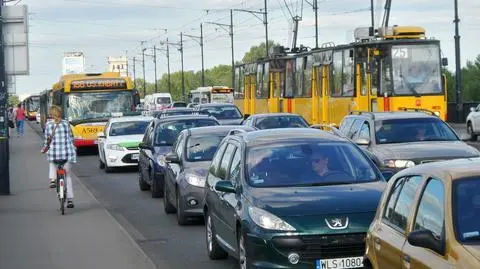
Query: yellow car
x,y
428,217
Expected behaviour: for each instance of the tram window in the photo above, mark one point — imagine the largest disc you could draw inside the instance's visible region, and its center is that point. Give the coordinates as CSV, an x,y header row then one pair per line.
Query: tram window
x,y
347,77
299,78
374,77
386,81
259,84
266,82
307,77
290,78
337,74
239,87
363,78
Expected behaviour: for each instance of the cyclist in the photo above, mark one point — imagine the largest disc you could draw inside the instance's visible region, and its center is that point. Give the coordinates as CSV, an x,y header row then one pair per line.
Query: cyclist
x,y
61,148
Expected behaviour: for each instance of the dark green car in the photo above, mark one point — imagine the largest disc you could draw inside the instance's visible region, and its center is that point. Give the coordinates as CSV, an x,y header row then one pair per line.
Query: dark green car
x,y
290,198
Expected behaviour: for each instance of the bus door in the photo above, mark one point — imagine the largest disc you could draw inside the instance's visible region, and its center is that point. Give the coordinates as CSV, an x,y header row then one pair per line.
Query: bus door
x,y
343,89
365,97
262,89
286,102
316,94
276,83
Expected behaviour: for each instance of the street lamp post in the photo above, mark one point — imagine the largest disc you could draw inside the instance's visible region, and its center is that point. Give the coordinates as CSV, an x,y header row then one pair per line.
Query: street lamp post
x,y
200,42
458,67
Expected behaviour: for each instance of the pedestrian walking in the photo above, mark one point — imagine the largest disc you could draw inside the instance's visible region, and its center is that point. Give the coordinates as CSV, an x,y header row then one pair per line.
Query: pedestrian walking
x,y
19,116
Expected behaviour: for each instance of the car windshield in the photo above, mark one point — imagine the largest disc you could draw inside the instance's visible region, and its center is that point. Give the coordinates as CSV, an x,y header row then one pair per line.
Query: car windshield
x,y
163,100
166,133
222,112
273,122
413,130
202,148
313,163
94,105
179,104
177,112
466,209
128,128
33,104
416,69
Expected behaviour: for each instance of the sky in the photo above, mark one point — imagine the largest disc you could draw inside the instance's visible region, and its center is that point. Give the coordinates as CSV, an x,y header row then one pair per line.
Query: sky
x,y
103,28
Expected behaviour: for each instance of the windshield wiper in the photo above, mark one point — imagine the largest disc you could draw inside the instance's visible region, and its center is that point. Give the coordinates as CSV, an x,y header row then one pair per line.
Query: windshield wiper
x,y
410,88
318,184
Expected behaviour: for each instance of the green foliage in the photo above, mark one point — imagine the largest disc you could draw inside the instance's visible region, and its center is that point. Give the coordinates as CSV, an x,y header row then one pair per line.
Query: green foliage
x,y
13,100
471,82
257,52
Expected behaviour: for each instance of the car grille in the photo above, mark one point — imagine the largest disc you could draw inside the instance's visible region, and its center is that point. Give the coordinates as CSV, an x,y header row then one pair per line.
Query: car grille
x,y
333,246
128,159
132,148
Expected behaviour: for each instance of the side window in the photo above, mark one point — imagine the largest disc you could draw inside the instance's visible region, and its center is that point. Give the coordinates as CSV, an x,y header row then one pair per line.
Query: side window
x,y
179,145
234,173
431,209
364,131
346,125
216,159
336,89
348,74
357,124
223,169
147,134
398,211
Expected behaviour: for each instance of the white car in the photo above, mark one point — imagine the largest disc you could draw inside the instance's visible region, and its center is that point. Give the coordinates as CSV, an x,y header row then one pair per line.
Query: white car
x,y
473,123
38,117
118,145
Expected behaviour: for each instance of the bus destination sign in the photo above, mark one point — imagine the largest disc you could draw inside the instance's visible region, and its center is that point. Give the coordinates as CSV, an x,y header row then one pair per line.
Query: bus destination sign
x,y
98,84
222,90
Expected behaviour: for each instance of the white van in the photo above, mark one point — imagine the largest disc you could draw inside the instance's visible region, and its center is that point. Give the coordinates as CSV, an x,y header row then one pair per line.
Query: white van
x,y
157,101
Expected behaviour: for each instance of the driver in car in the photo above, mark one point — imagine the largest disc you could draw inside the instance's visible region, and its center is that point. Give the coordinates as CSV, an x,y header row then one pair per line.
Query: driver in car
x,y
320,163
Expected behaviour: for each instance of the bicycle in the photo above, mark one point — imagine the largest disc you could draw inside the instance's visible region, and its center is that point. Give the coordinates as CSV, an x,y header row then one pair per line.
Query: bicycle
x,y
61,188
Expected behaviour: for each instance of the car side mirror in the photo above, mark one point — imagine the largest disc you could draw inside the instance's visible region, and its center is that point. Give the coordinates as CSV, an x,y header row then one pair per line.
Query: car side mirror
x,y
362,142
101,135
426,239
172,158
473,109
246,116
388,175
144,146
225,186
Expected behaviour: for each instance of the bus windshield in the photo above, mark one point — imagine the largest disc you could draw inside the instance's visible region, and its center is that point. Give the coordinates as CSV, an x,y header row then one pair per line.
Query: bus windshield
x,y
95,105
416,69
34,104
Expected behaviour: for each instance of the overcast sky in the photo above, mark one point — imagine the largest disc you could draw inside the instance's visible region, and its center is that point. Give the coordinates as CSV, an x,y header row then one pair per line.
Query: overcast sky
x,y
102,28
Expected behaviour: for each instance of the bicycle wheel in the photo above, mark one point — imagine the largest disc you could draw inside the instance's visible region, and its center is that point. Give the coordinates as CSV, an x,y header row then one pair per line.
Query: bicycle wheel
x,y
62,205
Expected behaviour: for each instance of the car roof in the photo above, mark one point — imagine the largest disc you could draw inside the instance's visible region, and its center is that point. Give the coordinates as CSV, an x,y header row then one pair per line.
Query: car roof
x,y
455,169
131,118
286,134
215,104
219,129
265,115
184,117
174,109
393,115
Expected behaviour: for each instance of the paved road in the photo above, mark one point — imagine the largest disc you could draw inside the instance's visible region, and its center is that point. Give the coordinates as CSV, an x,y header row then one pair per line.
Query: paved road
x,y
168,245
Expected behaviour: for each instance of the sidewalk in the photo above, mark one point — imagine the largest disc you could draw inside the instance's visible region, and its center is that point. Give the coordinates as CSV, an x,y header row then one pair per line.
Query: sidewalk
x,y
33,233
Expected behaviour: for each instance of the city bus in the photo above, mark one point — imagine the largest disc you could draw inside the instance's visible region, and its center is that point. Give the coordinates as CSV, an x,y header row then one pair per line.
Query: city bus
x,y
88,101
31,105
397,69
213,94
46,101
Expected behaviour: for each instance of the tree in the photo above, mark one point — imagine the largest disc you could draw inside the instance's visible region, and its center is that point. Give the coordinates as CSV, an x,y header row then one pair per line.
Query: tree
x,y
13,100
471,80
257,52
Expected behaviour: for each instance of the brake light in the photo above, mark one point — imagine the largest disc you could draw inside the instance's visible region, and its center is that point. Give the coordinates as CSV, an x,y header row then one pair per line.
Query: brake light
x,y
61,172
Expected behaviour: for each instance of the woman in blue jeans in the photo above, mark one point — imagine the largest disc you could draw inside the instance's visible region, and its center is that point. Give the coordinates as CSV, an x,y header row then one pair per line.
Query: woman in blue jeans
x,y
19,116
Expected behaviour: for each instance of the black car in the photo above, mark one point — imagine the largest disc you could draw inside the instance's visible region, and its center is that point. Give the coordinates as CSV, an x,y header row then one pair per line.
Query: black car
x,y
158,141
290,198
398,140
177,104
276,120
225,113
187,166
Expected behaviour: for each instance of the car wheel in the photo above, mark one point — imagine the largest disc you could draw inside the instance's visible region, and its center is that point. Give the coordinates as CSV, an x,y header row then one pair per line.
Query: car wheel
x,y
157,188
473,136
167,206
215,251
101,165
242,251
141,183
181,218
108,169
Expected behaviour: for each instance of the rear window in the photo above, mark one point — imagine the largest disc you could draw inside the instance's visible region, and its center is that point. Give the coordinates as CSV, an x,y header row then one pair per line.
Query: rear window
x,y
466,209
163,100
282,164
166,133
128,128
174,112
179,104
413,130
202,148
273,122
222,112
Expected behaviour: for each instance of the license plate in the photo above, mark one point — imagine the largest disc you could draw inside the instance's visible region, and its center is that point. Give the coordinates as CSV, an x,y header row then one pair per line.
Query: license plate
x,y
342,263
134,156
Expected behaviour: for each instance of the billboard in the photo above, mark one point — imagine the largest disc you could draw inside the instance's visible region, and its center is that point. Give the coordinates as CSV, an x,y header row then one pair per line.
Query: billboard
x,y
15,40
119,65
73,63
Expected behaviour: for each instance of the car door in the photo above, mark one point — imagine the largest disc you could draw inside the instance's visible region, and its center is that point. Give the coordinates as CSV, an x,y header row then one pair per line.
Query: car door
x,y
102,142
231,201
389,234
143,157
430,215
225,211
212,198
173,169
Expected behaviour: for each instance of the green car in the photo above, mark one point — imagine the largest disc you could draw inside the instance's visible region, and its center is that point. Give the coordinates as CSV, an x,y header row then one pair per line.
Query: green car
x,y
290,198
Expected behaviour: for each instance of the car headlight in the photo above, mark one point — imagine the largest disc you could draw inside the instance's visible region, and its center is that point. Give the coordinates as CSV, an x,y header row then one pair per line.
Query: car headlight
x,y
115,147
195,180
399,163
267,220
